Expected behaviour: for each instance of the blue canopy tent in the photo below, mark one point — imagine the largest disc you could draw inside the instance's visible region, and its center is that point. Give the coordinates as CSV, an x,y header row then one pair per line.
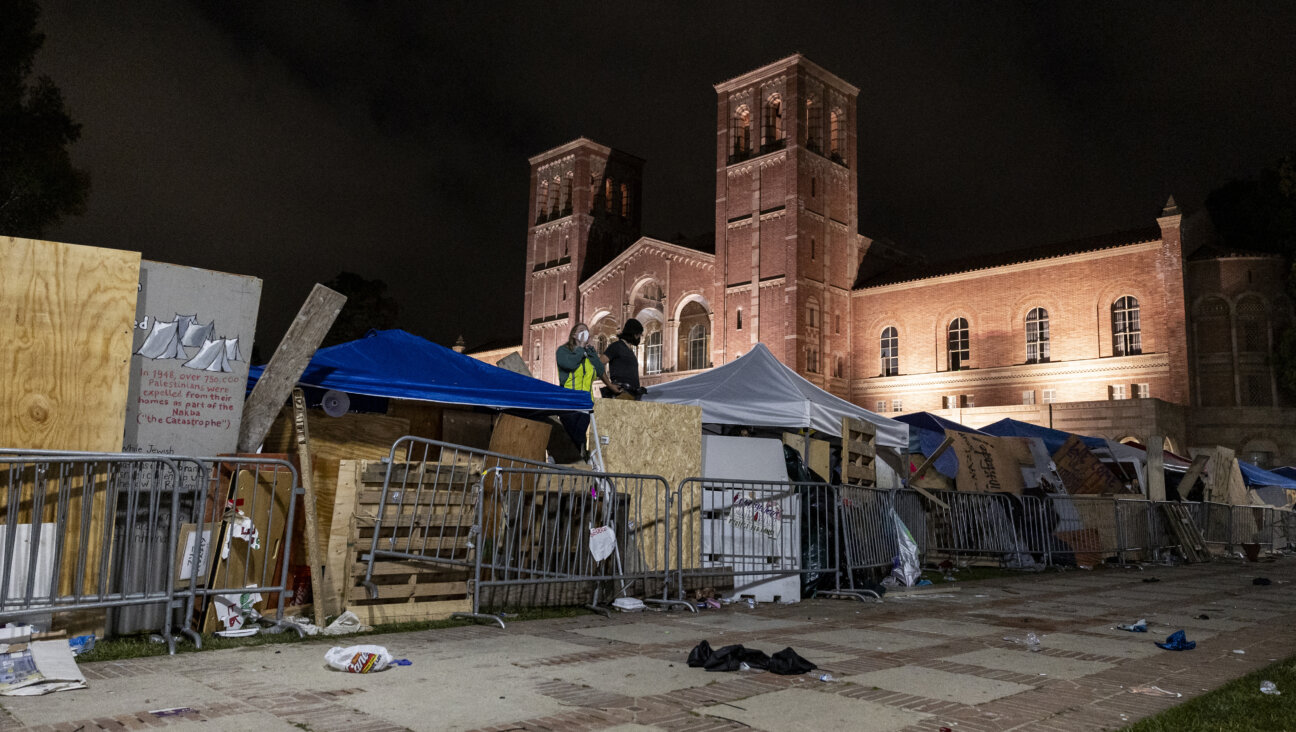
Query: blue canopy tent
x,y
1053,439
400,365
927,432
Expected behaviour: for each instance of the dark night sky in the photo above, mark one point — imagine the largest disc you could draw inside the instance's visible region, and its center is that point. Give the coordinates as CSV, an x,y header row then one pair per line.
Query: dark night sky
x,y
292,141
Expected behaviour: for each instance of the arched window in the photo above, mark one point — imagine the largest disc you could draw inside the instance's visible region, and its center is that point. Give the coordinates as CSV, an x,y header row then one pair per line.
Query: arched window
x,y
1211,321
773,122
698,342
542,197
694,337
1126,333
890,343
652,348
812,360
555,190
740,133
813,124
535,351
1037,336
812,314
607,195
838,367
837,135
601,343
567,196
739,323
1252,325
957,344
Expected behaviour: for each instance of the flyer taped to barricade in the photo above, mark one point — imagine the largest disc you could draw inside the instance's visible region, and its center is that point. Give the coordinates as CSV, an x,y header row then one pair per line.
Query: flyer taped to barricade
x,y
763,518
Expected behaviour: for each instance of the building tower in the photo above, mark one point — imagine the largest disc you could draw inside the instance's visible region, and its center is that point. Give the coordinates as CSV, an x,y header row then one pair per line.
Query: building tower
x,y
585,210
787,243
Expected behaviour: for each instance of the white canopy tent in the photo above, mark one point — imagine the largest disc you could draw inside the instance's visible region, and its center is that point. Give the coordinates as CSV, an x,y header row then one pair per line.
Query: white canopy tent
x,y
758,390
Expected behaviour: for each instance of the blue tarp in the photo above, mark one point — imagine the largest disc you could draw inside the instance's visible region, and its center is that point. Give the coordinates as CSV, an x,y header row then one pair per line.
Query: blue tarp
x,y
1053,439
400,365
1286,472
927,432
1253,475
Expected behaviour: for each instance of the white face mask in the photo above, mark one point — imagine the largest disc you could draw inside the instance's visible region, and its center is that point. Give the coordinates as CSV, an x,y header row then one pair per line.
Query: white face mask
x,y
582,337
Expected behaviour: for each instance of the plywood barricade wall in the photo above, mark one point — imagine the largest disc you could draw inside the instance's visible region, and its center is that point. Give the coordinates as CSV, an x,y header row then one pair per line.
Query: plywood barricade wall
x,y
66,319
649,438
407,591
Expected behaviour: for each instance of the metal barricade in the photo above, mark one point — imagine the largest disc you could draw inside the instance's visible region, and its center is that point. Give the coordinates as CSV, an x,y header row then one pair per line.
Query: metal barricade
x,y
1096,534
1215,521
1013,529
1135,540
552,538
765,538
430,511
868,535
237,540
137,536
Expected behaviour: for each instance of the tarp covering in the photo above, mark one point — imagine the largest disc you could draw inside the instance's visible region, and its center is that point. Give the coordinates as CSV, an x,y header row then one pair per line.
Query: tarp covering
x,y
927,432
1254,475
1286,472
758,390
1053,439
400,365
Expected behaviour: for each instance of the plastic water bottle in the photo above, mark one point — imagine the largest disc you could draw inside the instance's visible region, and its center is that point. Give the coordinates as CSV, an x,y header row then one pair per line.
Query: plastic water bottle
x,y
830,677
1269,687
1032,642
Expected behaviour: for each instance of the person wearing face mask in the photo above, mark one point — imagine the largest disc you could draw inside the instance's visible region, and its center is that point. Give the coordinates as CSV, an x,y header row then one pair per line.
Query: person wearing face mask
x,y
578,365
623,364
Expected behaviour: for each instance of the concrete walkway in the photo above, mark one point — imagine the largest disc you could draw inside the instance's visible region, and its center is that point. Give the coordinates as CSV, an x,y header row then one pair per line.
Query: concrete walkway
x,y
915,664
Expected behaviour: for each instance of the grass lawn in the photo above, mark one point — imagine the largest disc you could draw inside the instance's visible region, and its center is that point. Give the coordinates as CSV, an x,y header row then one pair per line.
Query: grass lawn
x,y
1238,706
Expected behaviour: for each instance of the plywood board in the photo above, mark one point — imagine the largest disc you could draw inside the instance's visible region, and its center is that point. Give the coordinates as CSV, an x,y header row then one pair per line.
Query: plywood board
x,y
424,418
1082,473
352,436
650,438
194,330
521,438
467,428
341,547
988,464
819,460
66,319
264,496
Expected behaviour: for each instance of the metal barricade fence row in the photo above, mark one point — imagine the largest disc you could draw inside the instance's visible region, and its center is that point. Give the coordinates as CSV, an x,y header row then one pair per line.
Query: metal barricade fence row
x,y
144,537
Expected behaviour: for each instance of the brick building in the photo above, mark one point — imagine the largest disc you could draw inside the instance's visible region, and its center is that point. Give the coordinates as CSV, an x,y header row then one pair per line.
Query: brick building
x,y
1154,331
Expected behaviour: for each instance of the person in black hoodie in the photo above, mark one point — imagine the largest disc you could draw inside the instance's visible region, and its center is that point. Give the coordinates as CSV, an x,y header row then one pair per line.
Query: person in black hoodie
x,y
622,361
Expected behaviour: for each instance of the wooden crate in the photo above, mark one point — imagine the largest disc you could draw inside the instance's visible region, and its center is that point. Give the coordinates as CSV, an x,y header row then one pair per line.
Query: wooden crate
x,y
859,451
407,590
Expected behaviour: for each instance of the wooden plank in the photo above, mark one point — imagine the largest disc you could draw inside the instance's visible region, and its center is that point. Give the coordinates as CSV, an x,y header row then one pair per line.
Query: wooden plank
x,y
340,550
408,591
650,438
409,612
388,568
67,320
818,460
290,359
931,459
313,556
1190,477
1155,469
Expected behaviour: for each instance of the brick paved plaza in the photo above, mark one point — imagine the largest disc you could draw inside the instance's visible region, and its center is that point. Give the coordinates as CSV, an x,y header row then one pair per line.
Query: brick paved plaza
x,y
915,665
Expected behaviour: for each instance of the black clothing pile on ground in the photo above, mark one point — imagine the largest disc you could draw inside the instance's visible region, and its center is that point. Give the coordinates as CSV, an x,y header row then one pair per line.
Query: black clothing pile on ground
x,y
730,658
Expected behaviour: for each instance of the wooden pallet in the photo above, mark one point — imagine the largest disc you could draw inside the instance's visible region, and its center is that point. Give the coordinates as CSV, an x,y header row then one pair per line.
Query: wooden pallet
x,y
407,590
859,450
1191,542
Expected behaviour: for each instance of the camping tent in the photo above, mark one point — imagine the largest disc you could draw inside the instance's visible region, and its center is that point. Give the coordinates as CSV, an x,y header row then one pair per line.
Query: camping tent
x,y
759,391
400,365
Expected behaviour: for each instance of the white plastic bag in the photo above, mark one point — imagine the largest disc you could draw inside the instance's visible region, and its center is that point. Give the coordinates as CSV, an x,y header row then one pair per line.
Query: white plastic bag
x,y
602,542
358,659
909,569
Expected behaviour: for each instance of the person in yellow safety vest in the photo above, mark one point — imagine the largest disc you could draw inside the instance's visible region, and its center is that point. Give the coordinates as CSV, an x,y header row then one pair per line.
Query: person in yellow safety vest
x,y
578,365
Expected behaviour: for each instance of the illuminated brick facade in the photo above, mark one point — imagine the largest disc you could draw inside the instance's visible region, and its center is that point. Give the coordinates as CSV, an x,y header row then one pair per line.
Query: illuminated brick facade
x,y
1063,335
